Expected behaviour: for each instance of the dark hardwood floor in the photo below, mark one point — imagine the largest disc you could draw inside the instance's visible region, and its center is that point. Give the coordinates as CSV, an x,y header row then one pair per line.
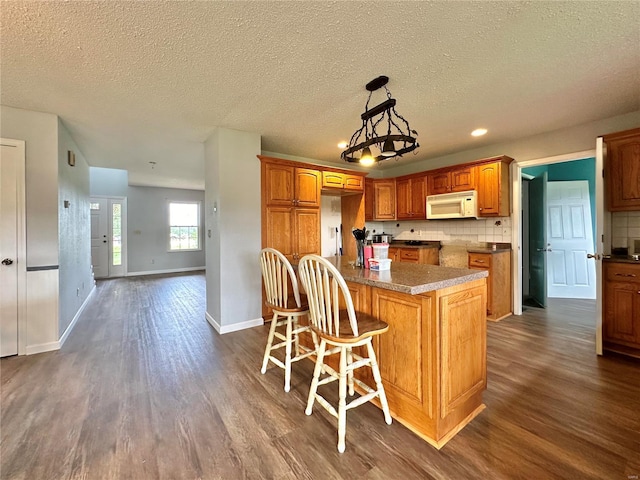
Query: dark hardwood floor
x,y
145,389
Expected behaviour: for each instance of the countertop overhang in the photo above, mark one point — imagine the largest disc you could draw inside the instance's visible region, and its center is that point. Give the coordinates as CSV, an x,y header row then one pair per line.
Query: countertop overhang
x,y
409,278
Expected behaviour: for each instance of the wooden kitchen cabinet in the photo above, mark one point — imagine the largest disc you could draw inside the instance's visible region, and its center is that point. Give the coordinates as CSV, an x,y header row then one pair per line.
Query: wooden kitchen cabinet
x,y
451,180
287,185
411,197
342,182
425,256
493,188
293,231
380,199
621,312
498,264
622,170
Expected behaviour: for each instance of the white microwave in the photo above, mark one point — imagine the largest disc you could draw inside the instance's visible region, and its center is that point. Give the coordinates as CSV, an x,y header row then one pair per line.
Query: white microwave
x,y
453,205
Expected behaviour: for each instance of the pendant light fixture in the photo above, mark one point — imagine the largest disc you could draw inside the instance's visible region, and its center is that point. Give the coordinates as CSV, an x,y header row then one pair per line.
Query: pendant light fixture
x,y
367,146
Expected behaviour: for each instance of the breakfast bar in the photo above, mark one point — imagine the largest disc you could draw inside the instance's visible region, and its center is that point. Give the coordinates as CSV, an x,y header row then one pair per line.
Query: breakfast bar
x,y
433,358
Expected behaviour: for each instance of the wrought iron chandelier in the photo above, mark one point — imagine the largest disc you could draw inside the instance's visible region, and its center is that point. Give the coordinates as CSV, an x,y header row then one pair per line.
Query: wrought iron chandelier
x,y
372,146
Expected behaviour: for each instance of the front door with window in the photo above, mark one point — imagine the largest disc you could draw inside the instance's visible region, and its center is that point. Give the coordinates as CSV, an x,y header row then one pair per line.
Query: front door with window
x,y
108,236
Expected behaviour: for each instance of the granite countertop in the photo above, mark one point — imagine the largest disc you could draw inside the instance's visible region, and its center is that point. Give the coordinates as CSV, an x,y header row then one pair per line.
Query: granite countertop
x,y
408,278
402,244
620,259
488,249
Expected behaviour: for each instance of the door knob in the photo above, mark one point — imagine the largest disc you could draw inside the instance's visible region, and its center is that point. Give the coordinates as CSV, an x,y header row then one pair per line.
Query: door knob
x,y
593,255
7,261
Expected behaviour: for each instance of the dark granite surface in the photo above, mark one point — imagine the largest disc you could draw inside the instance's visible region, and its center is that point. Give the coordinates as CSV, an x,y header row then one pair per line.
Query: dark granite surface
x,y
408,278
426,244
620,259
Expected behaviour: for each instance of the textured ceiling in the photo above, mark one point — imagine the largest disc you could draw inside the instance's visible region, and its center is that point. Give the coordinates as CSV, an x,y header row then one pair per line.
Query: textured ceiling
x,y
149,81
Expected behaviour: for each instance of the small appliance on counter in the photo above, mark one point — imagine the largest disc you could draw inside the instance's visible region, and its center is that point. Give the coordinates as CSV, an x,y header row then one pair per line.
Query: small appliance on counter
x,y
382,238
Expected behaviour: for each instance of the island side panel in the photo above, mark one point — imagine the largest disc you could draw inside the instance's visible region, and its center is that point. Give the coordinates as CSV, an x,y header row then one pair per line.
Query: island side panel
x,y
407,354
463,334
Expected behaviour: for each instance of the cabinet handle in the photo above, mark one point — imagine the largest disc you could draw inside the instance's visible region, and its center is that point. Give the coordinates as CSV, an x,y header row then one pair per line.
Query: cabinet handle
x,y
625,274
479,261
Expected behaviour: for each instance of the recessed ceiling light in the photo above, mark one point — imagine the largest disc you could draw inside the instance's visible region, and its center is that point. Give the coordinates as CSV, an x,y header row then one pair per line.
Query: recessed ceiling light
x,y
478,132
342,145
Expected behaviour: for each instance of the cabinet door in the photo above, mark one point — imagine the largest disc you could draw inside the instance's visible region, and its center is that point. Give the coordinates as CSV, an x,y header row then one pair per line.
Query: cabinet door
x,y
353,182
332,180
463,179
419,198
430,256
479,261
488,189
622,312
306,231
623,182
394,254
403,199
279,228
384,200
278,184
409,255
368,200
307,187
438,183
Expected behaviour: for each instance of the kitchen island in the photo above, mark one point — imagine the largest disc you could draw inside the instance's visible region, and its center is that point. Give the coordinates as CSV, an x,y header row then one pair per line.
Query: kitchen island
x,y
433,358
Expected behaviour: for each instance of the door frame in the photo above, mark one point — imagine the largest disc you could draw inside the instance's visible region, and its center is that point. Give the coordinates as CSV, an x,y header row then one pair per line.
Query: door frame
x,y
516,220
21,231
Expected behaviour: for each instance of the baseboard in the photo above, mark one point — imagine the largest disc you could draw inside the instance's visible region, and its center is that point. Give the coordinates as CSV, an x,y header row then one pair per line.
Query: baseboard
x,y
67,331
168,270
43,347
233,327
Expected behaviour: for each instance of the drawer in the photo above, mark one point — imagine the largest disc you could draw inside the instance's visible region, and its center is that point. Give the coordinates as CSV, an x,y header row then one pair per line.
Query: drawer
x,y
622,272
479,260
409,255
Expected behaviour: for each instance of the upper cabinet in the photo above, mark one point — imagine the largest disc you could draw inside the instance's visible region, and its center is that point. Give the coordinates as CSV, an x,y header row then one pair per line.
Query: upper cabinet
x,y
448,180
623,170
493,188
411,197
291,186
380,199
342,182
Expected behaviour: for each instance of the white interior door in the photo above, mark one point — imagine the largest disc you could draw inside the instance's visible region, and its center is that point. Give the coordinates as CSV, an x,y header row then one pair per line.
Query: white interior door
x,y
99,237
108,236
10,163
570,273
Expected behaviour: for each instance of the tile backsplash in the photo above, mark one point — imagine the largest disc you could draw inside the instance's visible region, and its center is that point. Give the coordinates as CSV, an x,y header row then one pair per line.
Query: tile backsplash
x,y
448,231
623,226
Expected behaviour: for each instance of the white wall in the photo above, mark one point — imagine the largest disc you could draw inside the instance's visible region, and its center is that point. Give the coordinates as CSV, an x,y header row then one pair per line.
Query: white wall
x,y
233,216
148,230
75,276
108,182
40,132
330,219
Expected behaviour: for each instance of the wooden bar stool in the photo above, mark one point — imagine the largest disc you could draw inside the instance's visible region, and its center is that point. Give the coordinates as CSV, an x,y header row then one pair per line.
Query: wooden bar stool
x,y
338,328
284,298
